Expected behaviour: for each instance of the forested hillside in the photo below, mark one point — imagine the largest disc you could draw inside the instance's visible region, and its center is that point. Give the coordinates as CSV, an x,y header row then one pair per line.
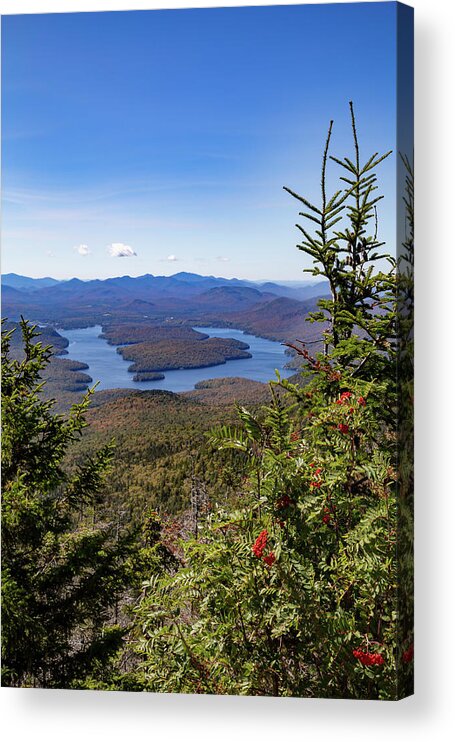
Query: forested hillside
x,y
161,446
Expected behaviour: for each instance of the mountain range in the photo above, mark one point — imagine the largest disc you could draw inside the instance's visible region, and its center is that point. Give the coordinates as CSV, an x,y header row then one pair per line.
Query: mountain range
x,y
274,309
184,283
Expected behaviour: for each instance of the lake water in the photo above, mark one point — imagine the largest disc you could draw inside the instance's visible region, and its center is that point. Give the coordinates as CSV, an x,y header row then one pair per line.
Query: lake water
x,y
111,370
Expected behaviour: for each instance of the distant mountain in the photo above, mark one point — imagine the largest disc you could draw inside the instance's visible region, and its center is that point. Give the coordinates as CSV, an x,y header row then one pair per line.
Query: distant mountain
x,y
181,297
24,283
280,319
183,282
230,298
8,292
195,278
292,289
300,293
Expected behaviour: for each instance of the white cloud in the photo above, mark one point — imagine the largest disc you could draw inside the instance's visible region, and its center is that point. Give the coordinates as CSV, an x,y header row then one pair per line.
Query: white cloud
x,y
223,259
172,258
50,254
82,249
119,250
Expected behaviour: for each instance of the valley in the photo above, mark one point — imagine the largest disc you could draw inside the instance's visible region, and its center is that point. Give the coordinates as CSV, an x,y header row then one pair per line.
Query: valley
x,y
162,332
267,310
170,357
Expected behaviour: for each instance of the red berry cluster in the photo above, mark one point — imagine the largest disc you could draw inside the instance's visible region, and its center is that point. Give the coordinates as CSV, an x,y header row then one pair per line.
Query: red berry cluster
x,y
260,543
326,516
259,546
344,397
368,658
316,482
269,559
408,654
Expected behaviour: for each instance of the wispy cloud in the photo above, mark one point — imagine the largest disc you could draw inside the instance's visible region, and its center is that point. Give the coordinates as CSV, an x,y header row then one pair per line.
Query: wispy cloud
x,y
222,259
50,254
119,250
82,249
110,191
172,258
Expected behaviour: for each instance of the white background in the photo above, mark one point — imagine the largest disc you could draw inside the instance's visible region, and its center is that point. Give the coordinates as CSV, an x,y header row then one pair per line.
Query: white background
x,y
85,715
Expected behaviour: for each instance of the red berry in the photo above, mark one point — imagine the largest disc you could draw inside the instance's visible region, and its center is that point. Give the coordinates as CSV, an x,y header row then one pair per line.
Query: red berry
x,y
368,658
260,543
269,559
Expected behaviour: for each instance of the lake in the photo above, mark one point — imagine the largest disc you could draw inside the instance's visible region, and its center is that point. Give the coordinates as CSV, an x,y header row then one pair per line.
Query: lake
x,y
111,370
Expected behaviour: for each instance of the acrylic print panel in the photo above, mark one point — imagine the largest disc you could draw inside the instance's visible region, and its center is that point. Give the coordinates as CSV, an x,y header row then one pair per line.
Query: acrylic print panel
x,y
207,410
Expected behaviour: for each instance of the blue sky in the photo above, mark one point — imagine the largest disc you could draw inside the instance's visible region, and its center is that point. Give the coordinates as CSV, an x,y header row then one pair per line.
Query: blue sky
x,y
159,141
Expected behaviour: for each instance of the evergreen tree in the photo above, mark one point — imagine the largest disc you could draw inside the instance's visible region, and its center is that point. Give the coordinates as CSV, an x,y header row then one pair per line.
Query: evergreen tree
x,y
63,559
296,591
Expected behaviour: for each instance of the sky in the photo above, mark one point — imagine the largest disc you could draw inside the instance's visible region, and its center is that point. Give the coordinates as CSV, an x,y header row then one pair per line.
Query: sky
x,y
160,141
